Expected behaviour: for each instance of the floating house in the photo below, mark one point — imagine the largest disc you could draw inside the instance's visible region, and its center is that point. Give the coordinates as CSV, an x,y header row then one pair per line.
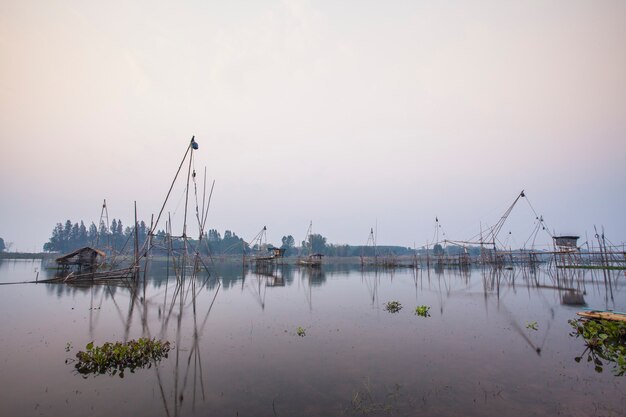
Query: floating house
x,y
314,260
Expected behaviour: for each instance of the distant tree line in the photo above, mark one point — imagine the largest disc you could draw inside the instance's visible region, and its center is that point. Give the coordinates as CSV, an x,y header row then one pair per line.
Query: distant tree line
x,y
2,245
229,244
452,250
69,236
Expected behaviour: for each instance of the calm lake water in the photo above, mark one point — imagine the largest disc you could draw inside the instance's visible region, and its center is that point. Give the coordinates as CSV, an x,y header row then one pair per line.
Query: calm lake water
x,y
236,351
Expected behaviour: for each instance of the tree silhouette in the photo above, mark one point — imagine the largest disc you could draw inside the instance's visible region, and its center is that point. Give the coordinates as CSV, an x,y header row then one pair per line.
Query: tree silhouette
x,y
317,243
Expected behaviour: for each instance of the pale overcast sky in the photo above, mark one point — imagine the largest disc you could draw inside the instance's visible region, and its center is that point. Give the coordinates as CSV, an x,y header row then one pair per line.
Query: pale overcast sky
x,y
346,113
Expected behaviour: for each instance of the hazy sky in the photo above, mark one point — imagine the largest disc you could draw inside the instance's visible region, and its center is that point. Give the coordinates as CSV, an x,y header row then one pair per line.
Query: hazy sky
x,y
345,113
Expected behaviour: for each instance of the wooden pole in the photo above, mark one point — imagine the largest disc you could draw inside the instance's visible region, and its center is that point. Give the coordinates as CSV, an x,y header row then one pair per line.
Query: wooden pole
x,y
136,244
147,253
184,263
172,186
203,202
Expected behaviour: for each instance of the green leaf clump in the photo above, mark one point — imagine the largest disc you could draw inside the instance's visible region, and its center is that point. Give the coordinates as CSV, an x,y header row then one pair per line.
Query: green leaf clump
x,y
532,325
605,342
422,311
393,306
301,331
111,358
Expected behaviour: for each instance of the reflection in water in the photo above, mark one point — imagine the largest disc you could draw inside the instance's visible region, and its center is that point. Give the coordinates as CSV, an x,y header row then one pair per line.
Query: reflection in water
x,y
258,286
573,298
264,275
392,401
183,297
235,350
21,271
176,303
315,276
370,280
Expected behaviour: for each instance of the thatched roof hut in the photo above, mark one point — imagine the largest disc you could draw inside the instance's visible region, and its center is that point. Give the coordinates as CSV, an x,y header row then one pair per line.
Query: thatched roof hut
x,y
84,258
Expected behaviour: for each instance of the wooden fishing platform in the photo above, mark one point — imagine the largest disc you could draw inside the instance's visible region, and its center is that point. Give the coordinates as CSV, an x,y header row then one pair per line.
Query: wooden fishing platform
x,y
95,277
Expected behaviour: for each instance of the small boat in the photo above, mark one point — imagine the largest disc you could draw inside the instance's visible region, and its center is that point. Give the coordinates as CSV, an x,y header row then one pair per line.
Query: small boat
x,y
262,253
274,255
603,315
314,260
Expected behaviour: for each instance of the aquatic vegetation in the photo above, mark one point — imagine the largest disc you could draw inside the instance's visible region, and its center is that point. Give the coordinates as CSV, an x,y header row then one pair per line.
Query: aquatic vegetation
x,y
111,358
301,331
422,311
392,401
605,340
393,306
532,325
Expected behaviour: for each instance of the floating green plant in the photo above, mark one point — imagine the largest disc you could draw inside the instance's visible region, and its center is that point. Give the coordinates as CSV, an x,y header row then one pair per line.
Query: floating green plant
x,y
393,306
301,331
111,358
605,341
532,325
422,311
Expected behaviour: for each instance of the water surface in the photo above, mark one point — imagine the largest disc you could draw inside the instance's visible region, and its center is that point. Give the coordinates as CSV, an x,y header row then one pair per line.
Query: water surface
x,y
236,350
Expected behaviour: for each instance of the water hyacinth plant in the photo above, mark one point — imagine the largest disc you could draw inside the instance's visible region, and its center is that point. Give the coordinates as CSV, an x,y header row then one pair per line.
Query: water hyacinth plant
x,y
301,331
111,358
393,306
605,340
422,311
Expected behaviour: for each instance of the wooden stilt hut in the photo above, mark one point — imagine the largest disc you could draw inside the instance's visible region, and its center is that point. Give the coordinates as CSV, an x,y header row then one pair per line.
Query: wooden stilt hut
x,y
84,259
